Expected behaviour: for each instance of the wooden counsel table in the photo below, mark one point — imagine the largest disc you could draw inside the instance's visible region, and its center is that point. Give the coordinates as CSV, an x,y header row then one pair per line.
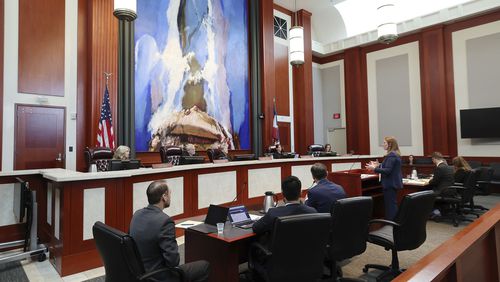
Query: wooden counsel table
x,y
223,251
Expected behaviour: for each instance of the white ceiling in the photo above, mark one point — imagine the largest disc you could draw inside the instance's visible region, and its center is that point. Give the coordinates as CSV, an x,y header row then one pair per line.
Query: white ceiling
x,y
341,24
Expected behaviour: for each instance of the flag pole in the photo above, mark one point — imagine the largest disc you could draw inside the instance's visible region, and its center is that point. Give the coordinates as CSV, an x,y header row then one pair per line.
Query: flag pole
x,y
107,75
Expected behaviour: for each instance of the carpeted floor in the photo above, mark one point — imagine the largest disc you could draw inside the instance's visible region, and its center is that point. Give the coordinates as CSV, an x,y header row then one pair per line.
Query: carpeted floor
x,y
12,271
437,233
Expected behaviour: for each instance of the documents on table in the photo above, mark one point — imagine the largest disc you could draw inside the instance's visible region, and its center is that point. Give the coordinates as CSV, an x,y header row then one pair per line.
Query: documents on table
x,y
416,182
187,224
255,217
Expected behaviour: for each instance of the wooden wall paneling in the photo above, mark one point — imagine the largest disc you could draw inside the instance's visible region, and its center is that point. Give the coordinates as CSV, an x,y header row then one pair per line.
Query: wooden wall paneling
x,y
356,102
433,91
83,94
267,69
282,79
449,75
1,72
41,47
103,37
328,59
283,10
285,135
302,90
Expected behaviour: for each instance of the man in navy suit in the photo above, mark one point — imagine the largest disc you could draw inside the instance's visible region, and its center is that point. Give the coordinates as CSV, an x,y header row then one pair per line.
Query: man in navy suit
x,y
154,233
324,193
290,187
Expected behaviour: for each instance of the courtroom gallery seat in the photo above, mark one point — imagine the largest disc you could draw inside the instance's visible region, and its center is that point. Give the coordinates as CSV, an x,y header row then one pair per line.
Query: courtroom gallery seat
x,y
100,156
406,232
350,217
122,260
170,154
296,250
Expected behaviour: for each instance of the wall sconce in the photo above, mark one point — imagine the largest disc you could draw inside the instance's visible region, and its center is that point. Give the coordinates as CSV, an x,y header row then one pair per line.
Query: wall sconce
x,y
387,29
125,9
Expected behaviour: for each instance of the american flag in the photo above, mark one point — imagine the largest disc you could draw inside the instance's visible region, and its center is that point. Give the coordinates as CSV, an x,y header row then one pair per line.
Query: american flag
x,y
105,136
276,131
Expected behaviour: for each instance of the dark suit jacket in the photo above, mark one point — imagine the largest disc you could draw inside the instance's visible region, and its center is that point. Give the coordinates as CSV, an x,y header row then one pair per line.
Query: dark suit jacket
x,y
324,194
266,223
154,233
390,171
461,175
443,178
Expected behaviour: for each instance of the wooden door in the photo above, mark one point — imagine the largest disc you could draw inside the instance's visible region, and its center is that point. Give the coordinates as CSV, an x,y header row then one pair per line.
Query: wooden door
x,y
39,137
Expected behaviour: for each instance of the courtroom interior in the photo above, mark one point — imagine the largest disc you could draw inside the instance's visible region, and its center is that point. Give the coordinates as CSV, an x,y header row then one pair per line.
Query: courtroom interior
x,y
249,140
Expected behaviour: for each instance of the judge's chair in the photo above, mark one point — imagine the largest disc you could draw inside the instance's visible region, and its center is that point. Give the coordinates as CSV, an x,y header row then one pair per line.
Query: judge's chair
x,y
406,232
170,154
296,250
216,154
122,260
350,217
315,149
100,156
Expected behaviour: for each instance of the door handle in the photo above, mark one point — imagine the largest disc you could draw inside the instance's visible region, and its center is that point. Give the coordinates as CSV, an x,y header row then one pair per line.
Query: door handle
x,y
59,158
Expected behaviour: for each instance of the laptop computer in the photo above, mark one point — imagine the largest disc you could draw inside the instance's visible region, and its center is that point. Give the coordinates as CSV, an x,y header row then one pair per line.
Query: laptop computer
x,y
216,214
239,217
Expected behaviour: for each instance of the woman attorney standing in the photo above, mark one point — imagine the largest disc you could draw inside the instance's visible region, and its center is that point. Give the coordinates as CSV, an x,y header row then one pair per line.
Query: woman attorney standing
x,y
391,177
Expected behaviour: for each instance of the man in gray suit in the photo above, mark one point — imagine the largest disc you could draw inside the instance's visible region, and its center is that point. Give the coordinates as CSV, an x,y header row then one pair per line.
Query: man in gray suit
x,y
154,233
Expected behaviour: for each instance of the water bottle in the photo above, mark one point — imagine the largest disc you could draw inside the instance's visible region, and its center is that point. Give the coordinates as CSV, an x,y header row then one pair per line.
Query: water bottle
x,y
414,174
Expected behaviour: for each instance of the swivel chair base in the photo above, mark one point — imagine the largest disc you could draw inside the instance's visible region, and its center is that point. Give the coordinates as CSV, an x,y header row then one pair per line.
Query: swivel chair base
x,y
388,274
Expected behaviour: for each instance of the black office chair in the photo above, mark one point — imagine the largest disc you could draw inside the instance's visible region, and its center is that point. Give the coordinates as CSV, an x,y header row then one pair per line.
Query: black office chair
x,y
350,217
483,184
460,204
406,232
100,156
122,260
474,164
296,250
216,154
170,154
422,160
495,179
315,149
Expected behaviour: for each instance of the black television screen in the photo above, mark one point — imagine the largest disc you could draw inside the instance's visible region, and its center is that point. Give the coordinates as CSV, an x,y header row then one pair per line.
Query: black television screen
x,y
480,123
21,191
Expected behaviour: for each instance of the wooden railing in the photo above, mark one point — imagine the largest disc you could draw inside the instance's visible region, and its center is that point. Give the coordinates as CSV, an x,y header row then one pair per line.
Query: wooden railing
x,y
473,254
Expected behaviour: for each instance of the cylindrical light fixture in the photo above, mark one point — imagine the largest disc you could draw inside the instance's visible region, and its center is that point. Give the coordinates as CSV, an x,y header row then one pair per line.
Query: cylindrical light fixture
x,y
125,9
387,28
296,47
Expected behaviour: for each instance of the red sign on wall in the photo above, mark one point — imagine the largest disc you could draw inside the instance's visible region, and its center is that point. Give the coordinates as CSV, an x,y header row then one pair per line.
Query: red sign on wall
x,y
336,116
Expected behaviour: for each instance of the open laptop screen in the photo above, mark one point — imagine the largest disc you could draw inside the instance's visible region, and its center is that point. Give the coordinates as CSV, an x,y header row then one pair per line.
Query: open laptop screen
x,y
238,214
216,214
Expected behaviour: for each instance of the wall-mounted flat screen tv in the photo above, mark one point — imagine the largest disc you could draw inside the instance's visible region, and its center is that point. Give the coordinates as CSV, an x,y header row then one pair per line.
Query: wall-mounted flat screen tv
x,y
480,123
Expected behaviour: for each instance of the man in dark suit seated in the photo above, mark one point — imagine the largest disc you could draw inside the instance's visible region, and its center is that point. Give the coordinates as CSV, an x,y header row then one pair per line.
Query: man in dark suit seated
x,y
290,187
443,177
154,233
324,193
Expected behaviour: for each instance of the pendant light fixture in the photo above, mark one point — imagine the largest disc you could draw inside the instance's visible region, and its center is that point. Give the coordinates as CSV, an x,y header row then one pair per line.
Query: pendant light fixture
x,y
296,46
387,29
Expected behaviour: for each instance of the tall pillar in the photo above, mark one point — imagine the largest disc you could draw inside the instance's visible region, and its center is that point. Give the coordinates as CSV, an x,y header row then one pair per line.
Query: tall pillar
x,y
303,116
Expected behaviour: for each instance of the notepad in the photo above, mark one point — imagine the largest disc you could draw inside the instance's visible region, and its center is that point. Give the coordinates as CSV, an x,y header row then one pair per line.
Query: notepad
x,y
187,224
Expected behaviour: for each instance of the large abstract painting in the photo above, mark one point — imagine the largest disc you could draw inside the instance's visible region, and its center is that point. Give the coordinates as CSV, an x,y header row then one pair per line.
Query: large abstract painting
x,y
191,74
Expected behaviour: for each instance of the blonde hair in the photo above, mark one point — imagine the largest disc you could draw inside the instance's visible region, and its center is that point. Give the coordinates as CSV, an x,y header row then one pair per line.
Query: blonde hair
x,y
460,163
121,153
392,145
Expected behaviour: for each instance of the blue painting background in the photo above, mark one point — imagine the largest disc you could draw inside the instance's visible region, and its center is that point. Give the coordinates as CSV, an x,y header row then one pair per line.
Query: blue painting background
x,y
152,26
